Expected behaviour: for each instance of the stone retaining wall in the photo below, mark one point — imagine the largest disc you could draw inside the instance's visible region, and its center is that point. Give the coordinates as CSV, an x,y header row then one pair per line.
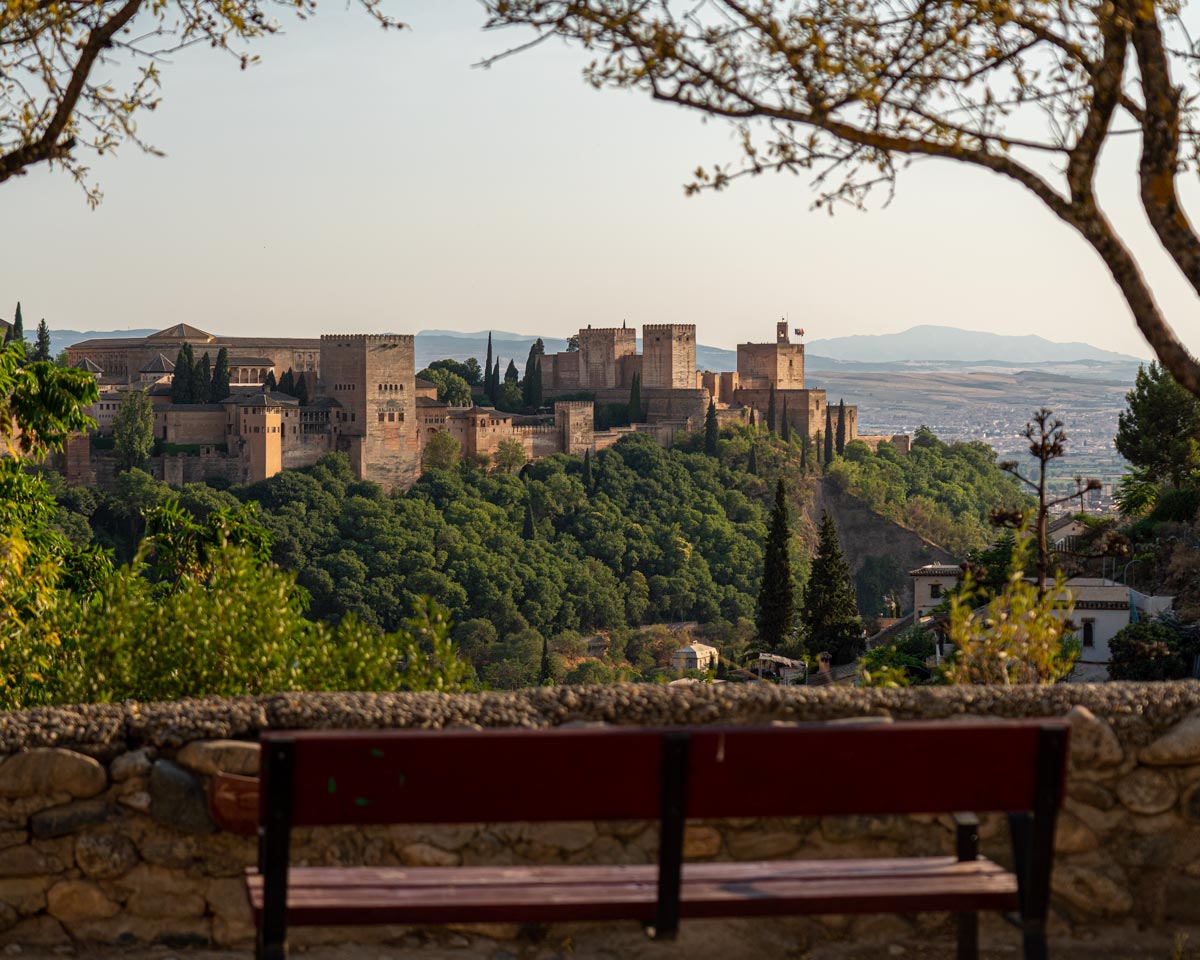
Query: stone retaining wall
x,y
105,834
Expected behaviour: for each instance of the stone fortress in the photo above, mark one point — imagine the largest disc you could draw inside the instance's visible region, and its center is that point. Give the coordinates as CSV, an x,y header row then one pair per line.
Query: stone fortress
x,y
367,403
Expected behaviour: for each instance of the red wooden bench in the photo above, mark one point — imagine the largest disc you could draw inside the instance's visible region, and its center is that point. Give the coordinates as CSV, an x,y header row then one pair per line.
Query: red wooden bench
x,y
666,774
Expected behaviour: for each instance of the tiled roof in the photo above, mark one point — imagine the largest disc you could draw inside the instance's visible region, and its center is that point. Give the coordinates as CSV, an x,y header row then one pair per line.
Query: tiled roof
x,y
182,331
936,570
160,364
89,366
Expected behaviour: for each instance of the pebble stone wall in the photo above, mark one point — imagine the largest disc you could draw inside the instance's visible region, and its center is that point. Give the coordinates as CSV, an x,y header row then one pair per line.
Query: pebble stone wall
x,y
105,835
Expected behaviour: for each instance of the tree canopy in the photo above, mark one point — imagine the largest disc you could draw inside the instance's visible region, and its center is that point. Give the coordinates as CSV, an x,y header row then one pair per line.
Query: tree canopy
x,y
847,94
1159,431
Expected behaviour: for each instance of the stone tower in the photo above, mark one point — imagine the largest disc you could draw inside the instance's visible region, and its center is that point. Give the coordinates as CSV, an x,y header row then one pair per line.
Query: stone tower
x,y
261,422
600,352
669,356
373,379
779,364
576,420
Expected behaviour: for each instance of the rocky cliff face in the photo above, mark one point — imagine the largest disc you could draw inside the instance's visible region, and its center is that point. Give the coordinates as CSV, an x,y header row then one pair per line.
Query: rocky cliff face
x,y
878,549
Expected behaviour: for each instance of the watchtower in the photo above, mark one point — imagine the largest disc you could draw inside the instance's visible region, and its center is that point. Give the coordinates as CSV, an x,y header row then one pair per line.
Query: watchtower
x,y
669,356
575,420
600,350
373,380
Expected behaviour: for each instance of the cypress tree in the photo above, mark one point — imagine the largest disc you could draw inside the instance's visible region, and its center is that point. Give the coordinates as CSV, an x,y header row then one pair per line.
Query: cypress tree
x,y
752,424
771,411
544,671
219,387
828,435
16,333
301,393
841,433
201,379
529,531
635,399
495,382
817,448
536,392
587,470
776,604
287,383
41,349
529,384
752,463
804,441
785,428
511,374
487,370
270,383
830,611
711,429
183,376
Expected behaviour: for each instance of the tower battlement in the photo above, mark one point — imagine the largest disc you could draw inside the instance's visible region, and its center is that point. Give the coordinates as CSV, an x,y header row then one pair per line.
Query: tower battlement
x,y
350,339
683,328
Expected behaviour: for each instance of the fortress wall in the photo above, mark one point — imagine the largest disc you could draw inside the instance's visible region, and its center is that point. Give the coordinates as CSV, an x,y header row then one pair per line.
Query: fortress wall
x,y
109,839
304,449
192,423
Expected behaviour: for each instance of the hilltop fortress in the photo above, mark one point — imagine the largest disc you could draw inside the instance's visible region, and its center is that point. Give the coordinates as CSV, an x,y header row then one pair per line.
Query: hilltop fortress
x,y
366,401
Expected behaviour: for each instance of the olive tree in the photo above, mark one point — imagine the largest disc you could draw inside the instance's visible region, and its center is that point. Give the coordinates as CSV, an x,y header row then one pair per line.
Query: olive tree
x,y
59,99
847,91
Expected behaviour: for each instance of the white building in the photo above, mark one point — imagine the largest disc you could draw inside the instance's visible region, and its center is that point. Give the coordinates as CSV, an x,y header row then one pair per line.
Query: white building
x,y
1102,608
696,656
931,583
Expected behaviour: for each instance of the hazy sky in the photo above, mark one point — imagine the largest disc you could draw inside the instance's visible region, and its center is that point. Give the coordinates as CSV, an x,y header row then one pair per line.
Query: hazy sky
x,y
358,180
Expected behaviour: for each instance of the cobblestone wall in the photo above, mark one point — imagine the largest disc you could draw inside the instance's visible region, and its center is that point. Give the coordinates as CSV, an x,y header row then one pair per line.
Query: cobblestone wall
x,y
105,834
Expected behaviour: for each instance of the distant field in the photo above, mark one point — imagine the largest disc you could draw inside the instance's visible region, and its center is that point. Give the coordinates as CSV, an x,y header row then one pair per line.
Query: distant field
x,y
993,407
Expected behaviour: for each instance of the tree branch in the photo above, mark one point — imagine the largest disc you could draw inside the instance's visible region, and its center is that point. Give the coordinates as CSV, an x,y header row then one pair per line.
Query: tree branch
x,y
50,146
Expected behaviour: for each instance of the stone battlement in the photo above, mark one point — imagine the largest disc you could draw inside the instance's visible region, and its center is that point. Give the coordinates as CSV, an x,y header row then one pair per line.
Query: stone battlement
x,y
668,328
404,339
607,332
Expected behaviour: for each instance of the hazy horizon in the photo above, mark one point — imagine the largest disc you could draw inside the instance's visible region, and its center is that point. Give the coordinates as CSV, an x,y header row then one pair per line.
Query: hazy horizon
x,y
361,180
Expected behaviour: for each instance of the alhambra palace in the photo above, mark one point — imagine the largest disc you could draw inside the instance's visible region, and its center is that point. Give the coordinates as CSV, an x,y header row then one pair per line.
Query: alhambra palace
x,y
367,402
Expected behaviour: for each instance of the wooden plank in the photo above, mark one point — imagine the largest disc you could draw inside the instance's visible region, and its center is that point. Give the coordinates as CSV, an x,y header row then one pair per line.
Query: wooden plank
x,y
451,878
631,893
414,776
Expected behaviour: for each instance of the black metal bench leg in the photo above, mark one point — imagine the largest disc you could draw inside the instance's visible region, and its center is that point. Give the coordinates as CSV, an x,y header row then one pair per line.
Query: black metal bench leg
x,y
967,849
968,936
1035,941
269,949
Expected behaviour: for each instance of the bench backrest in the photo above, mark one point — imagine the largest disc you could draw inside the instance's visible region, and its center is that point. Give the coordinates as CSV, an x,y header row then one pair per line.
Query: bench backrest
x,y
617,773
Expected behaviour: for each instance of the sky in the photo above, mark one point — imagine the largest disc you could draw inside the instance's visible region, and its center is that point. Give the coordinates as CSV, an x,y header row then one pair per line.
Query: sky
x,y
358,180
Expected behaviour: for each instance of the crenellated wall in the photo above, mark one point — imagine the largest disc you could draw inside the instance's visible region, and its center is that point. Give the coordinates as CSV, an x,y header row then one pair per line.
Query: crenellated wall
x,y
106,836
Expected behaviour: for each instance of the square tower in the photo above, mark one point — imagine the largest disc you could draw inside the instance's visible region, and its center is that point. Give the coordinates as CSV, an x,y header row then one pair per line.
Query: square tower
x,y
575,420
779,364
600,350
373,380
669,356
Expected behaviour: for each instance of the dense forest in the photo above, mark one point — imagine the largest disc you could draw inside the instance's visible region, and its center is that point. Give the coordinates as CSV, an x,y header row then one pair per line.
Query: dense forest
x,y
528,563
943,491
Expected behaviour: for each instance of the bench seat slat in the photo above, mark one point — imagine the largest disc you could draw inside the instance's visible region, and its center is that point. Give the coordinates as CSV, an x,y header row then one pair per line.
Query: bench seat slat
x,y
365,895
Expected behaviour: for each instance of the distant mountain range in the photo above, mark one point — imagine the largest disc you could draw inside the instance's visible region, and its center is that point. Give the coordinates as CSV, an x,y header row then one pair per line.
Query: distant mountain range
x,y
929,343
921,348
61,339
